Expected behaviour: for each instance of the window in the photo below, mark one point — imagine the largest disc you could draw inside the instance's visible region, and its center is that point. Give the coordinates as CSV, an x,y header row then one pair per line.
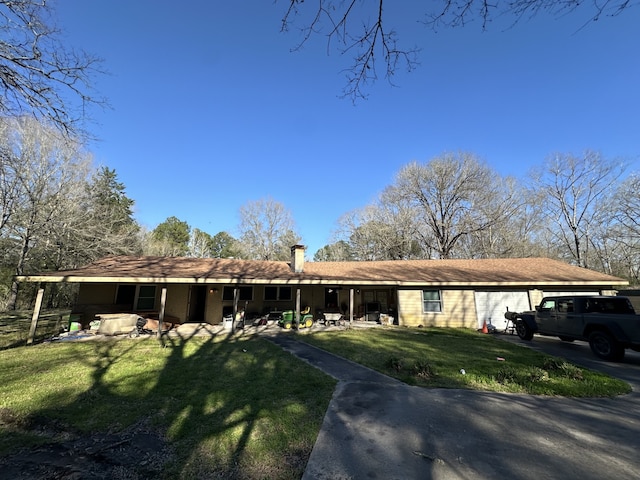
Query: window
x,y
565,306
431,301
548,305
146,297
126,295
277,293
136,297
244,293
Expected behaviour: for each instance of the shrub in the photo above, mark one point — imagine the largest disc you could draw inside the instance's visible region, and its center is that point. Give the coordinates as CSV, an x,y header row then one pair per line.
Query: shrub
x,y
563,368
506,375
553,363
537,374
423,369
394,363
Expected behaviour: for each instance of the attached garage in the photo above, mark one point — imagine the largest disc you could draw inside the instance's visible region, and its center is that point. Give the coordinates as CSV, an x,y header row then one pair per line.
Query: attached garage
x,y
491,305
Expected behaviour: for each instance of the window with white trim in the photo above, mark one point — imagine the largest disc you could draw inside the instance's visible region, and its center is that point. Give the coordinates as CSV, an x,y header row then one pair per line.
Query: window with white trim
x,y
431,301
146,298
136,297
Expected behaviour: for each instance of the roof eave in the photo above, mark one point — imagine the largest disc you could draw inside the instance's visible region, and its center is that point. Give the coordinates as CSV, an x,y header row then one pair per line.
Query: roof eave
x,y
313,281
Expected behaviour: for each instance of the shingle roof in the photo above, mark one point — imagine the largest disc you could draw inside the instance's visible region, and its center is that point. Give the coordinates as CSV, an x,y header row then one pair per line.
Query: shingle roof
x,y
529,271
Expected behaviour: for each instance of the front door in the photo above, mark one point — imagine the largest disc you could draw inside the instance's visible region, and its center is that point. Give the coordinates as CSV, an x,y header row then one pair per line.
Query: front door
x,y
197,301
332,299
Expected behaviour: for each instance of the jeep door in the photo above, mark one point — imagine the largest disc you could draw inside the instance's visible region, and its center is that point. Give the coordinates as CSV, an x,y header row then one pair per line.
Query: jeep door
x,y
569,322
546,315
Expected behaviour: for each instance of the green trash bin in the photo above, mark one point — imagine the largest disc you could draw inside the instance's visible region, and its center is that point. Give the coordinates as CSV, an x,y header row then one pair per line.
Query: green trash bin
x,y
75,322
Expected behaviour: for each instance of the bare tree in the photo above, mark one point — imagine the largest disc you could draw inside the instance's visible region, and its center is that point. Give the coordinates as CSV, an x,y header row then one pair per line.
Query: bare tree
x,y
38,73
621,221
628,204
362,30
50,172
455,196
267,231
9,180
386,230
199,244
574,190
516,233
403,231
365,234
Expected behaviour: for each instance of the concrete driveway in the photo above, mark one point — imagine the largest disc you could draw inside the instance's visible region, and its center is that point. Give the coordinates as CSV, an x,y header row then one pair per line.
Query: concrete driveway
x,y
378,428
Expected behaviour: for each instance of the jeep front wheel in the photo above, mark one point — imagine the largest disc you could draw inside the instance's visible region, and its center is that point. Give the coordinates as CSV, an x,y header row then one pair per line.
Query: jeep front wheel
x,y
523,330
603,345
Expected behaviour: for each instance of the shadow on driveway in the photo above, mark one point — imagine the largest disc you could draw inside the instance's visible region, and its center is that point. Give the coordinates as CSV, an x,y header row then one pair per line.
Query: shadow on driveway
x,y
377,427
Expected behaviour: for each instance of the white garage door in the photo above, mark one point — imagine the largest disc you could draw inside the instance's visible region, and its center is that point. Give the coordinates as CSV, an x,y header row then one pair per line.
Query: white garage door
x,y
491,306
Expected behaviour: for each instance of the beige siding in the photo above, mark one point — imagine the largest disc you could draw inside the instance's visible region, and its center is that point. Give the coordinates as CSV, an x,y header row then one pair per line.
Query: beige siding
x,y
100,298
213,307
310,296
535,297
177,299
93,293
458,309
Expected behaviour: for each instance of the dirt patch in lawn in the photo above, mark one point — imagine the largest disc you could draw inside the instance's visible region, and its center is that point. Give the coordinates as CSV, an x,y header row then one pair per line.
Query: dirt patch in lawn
x,y
135,453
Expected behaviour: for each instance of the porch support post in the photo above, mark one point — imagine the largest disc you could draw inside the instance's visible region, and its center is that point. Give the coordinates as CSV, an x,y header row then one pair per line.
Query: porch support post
x,y
236,297
35,316
351,305
163,304
298,306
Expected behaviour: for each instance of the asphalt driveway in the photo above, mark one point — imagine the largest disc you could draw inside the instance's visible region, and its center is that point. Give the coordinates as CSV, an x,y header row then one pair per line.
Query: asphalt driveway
x,y
378,428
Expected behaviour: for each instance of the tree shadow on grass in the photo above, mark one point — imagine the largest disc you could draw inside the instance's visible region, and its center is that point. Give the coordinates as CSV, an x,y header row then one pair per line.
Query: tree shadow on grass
x,y
224,406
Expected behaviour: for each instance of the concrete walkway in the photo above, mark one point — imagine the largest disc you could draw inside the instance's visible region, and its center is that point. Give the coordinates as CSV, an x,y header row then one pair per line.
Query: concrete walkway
x,y
379,428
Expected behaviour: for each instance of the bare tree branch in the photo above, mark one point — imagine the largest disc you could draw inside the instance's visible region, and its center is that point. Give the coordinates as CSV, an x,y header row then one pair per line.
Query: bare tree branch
x,y
575,189
266,230
366,43
371,41
39,75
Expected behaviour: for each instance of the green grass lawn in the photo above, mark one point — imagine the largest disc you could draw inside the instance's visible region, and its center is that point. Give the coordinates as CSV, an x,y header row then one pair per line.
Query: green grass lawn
x,y
434,357
239,406
226,404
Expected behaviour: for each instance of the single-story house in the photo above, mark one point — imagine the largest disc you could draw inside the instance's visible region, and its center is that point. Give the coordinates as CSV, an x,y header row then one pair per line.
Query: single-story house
x,y
446,293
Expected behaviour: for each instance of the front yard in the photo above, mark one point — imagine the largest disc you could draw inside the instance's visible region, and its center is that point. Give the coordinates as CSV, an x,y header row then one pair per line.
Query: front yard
x,y
209,407
229,406
436,357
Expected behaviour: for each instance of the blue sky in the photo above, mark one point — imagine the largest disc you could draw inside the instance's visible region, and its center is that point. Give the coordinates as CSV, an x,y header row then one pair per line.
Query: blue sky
x,y
212,110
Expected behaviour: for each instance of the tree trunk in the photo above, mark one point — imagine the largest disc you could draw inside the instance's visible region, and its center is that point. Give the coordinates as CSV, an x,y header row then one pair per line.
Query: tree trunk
x,y
15,286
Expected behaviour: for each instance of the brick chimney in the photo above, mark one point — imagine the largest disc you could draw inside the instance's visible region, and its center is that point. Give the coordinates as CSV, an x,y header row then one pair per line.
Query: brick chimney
x,y
297,258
